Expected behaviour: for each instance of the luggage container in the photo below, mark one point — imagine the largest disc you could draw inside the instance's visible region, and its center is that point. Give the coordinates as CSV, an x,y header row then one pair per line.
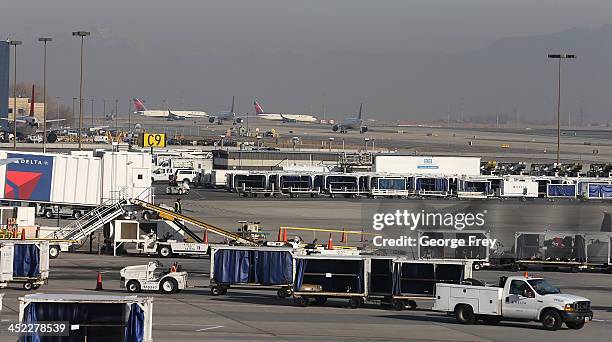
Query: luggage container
x,y
477,254
319,277
24,262
389,186
518,188
266,267
599,249
295,184
431,186
92,318
561,190
474,188
592,190
550,249
416,279
345,184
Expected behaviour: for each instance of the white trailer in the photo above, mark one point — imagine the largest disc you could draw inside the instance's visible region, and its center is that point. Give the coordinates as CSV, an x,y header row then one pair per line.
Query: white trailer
x,y
403,164
24,262
117,318
518,188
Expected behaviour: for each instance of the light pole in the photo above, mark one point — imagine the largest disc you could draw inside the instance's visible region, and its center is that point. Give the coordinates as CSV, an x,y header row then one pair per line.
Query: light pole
x,y
104,107
81,34
57,99
92,111
73,105
15,43
559,57
116,114
130,116
331,140
44,40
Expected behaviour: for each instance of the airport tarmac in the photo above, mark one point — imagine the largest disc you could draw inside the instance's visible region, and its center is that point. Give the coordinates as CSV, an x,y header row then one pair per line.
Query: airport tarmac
x,y
258,315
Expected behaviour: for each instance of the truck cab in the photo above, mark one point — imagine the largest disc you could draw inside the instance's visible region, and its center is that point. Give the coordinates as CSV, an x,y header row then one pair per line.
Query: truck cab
x,y
518,298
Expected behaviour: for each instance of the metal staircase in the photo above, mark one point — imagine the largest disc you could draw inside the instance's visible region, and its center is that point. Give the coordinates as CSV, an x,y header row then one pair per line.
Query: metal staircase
x,y
90,222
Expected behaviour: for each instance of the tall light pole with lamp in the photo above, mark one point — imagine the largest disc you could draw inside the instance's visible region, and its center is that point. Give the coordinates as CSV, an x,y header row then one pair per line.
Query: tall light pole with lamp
x,y
44,40
559,57
14,43
82,35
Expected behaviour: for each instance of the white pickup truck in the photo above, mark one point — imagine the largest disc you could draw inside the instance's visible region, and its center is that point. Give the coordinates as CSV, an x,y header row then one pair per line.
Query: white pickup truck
x,y
516,298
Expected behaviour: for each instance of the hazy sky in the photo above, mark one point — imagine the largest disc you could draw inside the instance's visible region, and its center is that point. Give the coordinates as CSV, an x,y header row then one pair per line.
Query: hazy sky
x,y
198,53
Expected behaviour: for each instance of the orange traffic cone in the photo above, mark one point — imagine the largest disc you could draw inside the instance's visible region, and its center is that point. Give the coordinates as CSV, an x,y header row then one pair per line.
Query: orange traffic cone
x,y
205,236
330,242
99,282
280,234
526,274
23,234
285,235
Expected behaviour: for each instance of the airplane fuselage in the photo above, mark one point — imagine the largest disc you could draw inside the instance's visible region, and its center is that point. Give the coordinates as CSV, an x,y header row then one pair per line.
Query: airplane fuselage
x,y
290,117
164,113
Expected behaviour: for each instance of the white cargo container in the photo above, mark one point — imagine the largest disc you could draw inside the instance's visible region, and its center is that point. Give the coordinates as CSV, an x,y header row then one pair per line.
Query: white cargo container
x,y
89,317
25,262
75,180
401,164
524,188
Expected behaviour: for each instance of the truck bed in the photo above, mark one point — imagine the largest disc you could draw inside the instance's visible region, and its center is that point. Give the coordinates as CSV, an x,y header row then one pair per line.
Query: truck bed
x,y
485,300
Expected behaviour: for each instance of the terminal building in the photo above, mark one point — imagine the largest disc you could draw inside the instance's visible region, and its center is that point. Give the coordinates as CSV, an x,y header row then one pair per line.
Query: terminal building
x,y
23,107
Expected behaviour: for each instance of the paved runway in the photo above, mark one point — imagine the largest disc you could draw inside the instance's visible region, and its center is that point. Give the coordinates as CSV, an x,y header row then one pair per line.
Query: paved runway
x,y
256,315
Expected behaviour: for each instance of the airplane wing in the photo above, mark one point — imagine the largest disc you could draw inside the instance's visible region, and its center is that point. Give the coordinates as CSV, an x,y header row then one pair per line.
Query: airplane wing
x,y
11,120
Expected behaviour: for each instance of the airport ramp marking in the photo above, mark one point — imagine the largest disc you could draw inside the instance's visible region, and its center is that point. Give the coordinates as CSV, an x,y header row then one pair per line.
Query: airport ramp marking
x,y
210,328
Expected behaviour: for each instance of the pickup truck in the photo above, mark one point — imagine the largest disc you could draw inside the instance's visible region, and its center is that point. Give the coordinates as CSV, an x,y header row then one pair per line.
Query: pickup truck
x,y
517,298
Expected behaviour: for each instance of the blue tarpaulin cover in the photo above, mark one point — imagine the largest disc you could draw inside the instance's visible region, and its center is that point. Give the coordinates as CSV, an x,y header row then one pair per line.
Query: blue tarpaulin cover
x,y
56,312
562,190
134,332
600,190
273,267
26,261
300,267
392,184
232,266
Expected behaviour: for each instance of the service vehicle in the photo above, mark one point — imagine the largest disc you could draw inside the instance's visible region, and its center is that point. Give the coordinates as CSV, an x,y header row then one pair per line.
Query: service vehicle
x,y
517,298
178,189
153,277
187,176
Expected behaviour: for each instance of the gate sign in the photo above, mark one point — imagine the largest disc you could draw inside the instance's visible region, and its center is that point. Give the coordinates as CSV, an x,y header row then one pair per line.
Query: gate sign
x,y
153,140
28,178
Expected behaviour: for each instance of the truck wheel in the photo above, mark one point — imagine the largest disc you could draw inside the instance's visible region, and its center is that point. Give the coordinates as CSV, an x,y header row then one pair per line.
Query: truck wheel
x,y
302,301
477,266
465,314
133,286
165,252
575,325
76,214
146,215
54,252
551,320
48,214
28,286
355,302
168,286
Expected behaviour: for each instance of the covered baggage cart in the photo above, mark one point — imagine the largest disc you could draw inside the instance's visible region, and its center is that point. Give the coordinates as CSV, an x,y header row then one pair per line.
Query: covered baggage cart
x,y
92,318
24,262
269,267
475,249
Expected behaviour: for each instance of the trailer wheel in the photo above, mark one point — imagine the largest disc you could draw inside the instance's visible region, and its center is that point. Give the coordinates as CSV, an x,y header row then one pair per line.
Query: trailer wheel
x,y
35,286
48,214
412,304
168,286
215,291
146,215
514,268
477,266
76,214
282,293
551,320
164,252
133,286
320,300
465,314
54,252
575,325
399,305
355,302
28,286
302,301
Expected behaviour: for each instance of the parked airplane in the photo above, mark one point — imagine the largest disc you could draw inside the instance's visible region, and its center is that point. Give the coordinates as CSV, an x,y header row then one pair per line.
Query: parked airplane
x,y
225,116
29,125
142,110
351,123
282,116
174,117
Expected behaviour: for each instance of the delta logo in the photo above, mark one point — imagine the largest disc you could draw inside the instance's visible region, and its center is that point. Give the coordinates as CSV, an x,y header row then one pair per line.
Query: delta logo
x,y
29,178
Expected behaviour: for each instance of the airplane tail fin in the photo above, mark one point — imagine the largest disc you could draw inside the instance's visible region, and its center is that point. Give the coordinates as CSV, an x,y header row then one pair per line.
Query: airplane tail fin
x,y
232,110
258,108
32,101
138,105
360,109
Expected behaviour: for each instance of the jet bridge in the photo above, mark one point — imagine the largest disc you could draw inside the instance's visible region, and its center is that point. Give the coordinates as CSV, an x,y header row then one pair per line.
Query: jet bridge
x,y
179,220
